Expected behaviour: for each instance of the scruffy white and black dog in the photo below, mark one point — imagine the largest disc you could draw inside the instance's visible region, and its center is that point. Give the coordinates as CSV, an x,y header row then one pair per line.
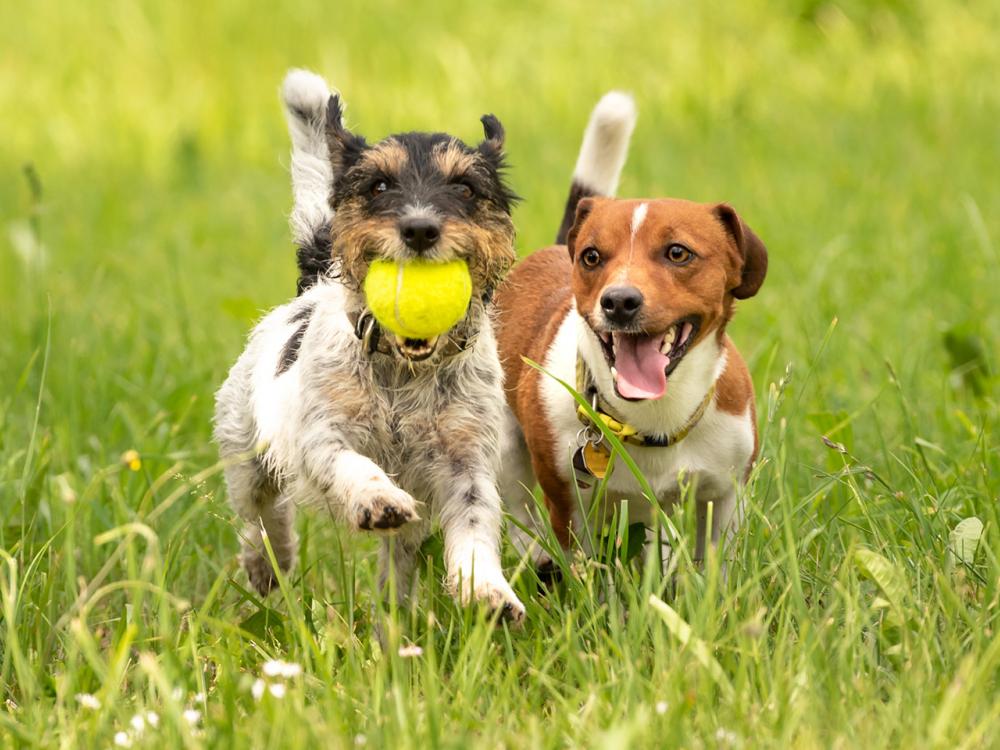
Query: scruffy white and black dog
x,y
325,408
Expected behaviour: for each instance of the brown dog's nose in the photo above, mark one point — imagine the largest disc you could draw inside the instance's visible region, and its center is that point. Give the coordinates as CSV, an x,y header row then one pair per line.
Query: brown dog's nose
x,y
621,304
419,233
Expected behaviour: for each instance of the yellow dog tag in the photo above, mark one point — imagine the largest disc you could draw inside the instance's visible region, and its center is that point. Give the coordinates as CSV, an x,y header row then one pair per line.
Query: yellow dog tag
x,y
592,460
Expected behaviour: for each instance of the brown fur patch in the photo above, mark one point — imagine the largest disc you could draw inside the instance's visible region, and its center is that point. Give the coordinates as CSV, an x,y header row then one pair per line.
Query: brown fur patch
x,y
487,242
531,304
388,156
452,160
358,238
671,292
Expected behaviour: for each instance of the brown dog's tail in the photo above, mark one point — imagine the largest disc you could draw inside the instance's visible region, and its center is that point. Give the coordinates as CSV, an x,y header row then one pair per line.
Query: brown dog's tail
x,y
602,153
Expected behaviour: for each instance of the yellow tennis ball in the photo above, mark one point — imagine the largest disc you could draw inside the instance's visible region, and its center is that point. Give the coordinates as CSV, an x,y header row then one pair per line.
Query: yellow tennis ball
x,y
418,299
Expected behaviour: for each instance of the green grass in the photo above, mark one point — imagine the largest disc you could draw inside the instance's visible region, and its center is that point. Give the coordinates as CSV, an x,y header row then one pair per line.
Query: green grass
x,y
859,140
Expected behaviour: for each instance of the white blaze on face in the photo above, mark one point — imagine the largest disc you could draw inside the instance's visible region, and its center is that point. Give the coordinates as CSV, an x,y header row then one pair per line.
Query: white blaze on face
x,y
638,216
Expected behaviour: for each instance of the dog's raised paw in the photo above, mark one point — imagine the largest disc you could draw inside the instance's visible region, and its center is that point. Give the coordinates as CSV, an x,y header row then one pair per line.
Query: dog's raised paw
x,y
386,510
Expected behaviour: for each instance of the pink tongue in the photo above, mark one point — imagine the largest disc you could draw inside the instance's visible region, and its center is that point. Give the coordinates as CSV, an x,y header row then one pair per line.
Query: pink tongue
x,y
641,366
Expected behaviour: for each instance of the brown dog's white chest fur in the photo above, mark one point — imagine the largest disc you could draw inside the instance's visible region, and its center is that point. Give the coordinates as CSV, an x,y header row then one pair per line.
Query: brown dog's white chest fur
x,y
642,294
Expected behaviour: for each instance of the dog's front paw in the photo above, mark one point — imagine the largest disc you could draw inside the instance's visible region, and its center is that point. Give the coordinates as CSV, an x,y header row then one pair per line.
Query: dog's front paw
x,y
495,593
385,508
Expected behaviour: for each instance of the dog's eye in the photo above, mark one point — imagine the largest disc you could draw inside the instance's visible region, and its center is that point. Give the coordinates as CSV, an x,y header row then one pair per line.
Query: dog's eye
x,y
590,257
464,190
679,255
378,187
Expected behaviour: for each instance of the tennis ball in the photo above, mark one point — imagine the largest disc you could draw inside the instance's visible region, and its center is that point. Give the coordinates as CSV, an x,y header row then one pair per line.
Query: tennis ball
x,y
418,299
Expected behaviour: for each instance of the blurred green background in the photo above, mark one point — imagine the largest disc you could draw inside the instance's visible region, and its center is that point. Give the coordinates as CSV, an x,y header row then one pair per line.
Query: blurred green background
x,y
143,201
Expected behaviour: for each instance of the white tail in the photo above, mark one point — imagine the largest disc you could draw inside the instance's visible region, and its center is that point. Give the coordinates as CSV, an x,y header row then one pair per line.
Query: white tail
x,y
605,143
305,95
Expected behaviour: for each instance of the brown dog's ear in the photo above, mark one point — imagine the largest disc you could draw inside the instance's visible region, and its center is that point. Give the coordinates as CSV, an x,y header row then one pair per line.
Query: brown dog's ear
x,y
583,208
344,147
752,250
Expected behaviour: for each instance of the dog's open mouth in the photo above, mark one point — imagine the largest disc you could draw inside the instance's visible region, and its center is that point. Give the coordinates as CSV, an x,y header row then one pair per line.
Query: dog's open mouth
x,y
416,349
640,363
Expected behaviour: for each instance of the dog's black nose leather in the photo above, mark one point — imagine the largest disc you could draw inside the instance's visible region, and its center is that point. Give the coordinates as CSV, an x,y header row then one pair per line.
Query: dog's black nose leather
x,y
621,304
419,234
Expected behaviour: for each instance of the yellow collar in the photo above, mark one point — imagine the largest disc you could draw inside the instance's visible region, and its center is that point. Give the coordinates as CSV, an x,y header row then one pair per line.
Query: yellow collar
x,y
622,430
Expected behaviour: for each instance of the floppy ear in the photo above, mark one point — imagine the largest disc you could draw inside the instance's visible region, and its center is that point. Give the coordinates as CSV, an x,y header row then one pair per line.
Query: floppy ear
x,y
345,148
752,250
492,145
583,209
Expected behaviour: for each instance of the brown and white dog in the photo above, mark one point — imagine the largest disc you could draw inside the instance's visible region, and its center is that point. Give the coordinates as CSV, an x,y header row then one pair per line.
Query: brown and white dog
x,y
631,307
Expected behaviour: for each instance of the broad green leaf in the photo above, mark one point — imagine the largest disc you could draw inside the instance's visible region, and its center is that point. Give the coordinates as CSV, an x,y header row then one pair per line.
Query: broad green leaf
x,y
964,541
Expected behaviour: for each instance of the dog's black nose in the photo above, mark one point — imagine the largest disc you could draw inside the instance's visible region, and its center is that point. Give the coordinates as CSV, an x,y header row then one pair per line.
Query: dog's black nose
x,y
621,304
419,234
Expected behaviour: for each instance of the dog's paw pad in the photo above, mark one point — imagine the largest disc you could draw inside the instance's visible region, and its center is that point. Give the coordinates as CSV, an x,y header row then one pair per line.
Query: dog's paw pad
x,y
387,511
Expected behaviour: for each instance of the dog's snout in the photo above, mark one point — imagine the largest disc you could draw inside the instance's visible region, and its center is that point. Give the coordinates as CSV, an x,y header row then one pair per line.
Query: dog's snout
x,y
621,304
419,233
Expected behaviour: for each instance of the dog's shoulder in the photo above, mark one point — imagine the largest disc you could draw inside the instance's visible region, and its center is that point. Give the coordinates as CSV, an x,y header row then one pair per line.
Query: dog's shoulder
x,y
531,304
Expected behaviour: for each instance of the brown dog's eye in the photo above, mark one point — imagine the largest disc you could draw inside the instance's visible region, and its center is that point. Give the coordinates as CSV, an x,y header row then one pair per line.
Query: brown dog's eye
x,y
465,191
379,187
679,255
590,257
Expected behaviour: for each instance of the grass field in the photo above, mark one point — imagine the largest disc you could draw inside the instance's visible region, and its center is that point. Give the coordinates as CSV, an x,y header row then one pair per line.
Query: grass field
x,y
860,140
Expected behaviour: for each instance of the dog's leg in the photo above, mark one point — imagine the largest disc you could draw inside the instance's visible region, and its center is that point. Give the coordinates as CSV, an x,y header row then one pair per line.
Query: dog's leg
x,y
470,511
725,522
516,481
255,497
398,559
354,487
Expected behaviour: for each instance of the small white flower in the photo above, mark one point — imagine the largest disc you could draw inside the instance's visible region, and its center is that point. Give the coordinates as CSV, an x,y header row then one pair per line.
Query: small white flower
x,y
258,689
277,690
661,707
360,740
408,652
279,668
199,698
88,701
122,739
153,719
192,716
725,736
138,723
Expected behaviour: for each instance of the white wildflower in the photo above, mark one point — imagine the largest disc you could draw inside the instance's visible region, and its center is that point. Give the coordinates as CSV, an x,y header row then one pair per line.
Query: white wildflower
x,y
153,719
192,716
360,740
199,698
88,701
277,690
258,689
138,723
661,707
279,668
408,652
122,739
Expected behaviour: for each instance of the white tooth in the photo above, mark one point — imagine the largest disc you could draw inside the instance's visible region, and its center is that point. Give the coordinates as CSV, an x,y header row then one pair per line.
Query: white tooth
x,y
668,341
